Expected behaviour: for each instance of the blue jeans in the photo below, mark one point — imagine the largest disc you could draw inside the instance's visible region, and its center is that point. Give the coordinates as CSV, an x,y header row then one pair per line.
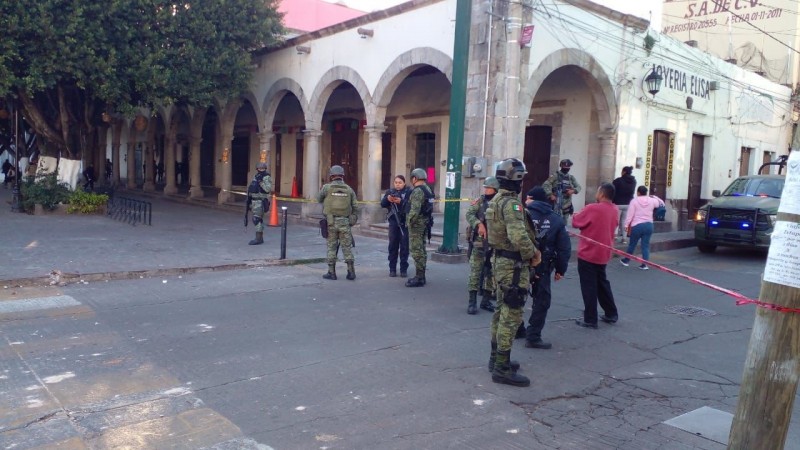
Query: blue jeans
x,y
642,231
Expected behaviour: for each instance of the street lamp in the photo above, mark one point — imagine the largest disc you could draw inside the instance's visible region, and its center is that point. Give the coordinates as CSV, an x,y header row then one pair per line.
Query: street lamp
x,y
653,81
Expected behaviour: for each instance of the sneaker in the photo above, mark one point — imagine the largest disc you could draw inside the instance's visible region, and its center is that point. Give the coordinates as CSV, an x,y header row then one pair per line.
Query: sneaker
x,y
624,261
643,267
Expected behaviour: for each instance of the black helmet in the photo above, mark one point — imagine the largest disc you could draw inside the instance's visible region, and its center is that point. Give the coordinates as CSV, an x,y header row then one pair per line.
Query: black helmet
x,y
565,163
336,171
510,169
419,174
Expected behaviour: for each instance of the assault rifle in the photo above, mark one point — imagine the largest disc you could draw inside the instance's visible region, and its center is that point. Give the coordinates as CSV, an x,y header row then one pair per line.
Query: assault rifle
x,y
394,212
486,268
247,208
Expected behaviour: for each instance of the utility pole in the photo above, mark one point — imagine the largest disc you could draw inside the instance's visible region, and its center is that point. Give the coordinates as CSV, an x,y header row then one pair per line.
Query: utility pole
x,y
772,368
455,145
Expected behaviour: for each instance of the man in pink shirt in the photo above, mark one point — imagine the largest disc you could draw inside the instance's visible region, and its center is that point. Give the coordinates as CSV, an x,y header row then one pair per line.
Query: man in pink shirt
x,y
597,221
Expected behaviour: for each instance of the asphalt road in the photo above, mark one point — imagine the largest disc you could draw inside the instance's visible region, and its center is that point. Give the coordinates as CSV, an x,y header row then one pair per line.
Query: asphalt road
x,y
277,357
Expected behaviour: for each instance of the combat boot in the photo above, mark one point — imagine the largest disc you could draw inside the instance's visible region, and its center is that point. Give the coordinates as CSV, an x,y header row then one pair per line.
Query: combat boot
x,y
259,238
351,270
472,309
486,302
504,374
331,275
417,281
493,357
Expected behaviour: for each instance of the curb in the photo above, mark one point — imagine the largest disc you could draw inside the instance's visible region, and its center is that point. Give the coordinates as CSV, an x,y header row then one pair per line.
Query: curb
x,y
66,278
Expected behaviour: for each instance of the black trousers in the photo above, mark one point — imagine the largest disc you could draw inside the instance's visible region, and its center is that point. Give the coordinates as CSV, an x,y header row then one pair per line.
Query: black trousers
x,y
398,246
595,289
540,303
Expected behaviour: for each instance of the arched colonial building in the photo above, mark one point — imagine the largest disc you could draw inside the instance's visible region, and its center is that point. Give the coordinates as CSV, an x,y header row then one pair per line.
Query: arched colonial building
x,y
379,104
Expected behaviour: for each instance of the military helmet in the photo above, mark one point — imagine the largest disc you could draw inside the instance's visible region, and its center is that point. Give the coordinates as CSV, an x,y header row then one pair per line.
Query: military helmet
x,y
336,171
510,169
491,182
261,165
565,163
419,174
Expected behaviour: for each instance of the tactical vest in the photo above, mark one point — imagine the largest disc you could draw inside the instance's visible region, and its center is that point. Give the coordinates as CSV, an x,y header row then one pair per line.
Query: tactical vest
x,y
426,210
255,185
337,201
495,222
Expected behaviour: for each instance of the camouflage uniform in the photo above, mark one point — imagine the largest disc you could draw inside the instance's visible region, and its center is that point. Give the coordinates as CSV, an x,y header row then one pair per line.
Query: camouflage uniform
x,y
257,200
339,233
509,232
417,224
562,181
476,214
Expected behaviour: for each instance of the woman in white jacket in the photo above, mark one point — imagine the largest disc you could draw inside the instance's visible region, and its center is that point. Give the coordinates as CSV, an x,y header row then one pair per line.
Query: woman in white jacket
x,y
639,220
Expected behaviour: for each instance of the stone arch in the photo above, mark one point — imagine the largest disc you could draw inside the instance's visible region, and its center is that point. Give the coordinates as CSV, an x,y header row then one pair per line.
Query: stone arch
x,y
327,83
250,97
595,78
274,96
398,70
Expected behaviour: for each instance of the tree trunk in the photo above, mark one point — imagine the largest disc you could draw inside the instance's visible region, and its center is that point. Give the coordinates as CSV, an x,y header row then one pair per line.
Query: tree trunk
x,y
39,124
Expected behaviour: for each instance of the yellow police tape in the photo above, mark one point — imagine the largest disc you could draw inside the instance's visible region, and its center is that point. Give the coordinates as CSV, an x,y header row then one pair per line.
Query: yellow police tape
x,y
365,202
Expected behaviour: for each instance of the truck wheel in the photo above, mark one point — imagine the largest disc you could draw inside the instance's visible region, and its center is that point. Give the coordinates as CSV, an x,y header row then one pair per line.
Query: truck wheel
x,y
706,248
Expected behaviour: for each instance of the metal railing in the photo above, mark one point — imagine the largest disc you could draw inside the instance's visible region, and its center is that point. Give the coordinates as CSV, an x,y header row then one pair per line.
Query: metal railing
x,y
130,210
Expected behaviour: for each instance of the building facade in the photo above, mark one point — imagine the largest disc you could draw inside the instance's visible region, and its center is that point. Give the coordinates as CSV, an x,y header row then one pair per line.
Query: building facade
x,y
373,94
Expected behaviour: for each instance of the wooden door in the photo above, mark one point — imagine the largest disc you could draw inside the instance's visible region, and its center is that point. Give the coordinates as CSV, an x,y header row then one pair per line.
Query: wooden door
x,y
240,156
386,161
659,164
276,177
538,146
344,149
298,164
744,161
696,174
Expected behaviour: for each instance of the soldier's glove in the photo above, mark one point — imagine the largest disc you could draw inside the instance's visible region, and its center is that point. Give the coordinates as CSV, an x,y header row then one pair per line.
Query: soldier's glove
x,y
537,258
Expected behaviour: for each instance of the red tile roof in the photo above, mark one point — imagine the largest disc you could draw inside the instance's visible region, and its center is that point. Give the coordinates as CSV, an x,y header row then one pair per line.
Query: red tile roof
x,y
312,15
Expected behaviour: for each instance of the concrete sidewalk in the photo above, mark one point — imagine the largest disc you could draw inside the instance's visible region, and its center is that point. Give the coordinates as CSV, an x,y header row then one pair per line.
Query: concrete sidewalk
x,y
184,237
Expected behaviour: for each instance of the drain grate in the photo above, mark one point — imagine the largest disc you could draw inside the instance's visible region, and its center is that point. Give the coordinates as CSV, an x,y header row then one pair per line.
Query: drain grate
x,y
691,311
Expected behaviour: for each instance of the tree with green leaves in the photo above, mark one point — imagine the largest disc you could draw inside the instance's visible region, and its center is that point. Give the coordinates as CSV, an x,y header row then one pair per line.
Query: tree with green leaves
x,y
66,62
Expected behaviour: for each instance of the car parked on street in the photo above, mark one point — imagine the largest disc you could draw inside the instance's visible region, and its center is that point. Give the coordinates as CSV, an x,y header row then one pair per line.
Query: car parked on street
x,y
743,215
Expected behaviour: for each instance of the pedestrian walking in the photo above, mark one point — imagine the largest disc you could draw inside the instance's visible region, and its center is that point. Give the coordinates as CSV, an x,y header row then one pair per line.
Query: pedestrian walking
x,y
560,187
512,240
553,242
419,219
394,201
340,210
624,187
639,220
479,252
258,193
88,175
597,221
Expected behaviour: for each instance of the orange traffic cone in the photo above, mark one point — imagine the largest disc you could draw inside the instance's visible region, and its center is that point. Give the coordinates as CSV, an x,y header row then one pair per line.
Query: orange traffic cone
x,y
295,193
273,212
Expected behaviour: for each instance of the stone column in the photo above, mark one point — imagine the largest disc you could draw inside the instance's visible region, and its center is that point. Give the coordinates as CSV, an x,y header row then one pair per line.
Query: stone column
x,y
169,166
371,186
225,184
608,156
149,166
265,148
311,171
131,164
195,191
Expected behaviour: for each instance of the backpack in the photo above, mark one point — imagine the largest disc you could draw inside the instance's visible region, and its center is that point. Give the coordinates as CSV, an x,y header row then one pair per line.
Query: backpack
x,y
337,201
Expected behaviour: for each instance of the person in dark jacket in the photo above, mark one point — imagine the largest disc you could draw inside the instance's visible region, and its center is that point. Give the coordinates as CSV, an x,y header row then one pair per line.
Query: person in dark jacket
x,y
624,187
556,248
394,202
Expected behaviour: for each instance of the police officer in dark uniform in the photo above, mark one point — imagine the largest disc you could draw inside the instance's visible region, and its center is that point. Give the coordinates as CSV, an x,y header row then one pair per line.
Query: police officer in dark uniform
x,y
553,242
394,202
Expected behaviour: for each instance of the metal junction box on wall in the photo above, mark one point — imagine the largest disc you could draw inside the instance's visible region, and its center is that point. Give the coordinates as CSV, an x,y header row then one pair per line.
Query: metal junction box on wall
x,y
472,166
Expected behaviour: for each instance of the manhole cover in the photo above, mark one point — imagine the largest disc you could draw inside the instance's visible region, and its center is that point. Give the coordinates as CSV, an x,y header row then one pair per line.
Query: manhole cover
x,y
691,311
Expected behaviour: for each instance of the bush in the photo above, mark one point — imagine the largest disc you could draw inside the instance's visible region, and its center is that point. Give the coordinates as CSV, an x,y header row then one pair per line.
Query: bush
x,y
86,202
44,190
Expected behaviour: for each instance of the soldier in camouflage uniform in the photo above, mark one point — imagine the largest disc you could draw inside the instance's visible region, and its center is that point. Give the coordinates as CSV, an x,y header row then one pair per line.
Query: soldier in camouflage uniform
x,y
565,184
339,207
419,210
479,249
512,239
258,194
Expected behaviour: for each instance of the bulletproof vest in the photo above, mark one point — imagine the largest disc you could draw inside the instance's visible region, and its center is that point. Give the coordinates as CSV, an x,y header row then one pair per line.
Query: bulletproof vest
x,y
337,200
255,185
563,182
426,209
495,221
